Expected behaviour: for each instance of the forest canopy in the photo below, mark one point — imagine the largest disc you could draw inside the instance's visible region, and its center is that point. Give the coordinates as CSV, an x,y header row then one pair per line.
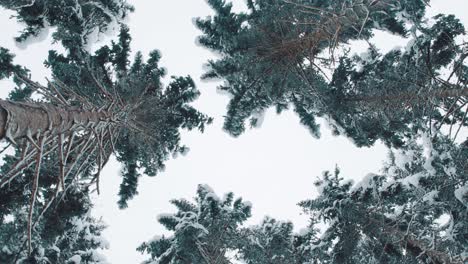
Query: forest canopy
x,y
109,105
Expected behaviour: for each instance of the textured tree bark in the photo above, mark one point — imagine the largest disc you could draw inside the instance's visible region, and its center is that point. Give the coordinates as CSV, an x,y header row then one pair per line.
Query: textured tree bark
x,y
19,120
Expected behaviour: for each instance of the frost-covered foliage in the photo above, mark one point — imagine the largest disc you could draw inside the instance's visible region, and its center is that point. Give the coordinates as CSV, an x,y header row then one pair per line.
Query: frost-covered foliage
x,y
144,131
389,96
413,213
203,232
210,231
270,242
150,115
65,233
61,227
144,145
74,20
7,70
287,54
280,53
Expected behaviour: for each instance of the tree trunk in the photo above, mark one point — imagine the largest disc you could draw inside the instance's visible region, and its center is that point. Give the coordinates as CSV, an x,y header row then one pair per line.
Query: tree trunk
x,y
19,120
411,96
378,228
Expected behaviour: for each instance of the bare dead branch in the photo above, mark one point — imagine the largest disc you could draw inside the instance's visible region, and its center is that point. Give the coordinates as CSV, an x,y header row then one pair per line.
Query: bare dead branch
x,y
61,161
35,187
461,124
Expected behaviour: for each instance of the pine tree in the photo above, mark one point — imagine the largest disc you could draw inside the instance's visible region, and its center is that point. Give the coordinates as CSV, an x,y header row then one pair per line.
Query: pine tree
x,y
210,231
270,242
279,52
95,106
414,212
132,115
203,232
75,21
388,96
51,234
396,217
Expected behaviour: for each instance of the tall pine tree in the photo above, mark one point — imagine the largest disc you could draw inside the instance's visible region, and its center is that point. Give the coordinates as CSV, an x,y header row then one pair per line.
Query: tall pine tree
x,y
280,54
95,106
270,242
203,232
212,231
415,212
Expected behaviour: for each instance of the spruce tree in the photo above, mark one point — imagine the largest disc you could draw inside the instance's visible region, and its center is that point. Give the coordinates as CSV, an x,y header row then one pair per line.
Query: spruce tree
x,y
270,242
65,233
96,105
212,231
203,232
279,53
133,115
415,212
62,229
74,21
389,96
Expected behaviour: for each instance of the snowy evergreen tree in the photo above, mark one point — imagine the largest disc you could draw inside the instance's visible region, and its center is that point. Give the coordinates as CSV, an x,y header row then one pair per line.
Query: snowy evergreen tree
x,y
95,106
60,228
203,232
75,21
139,118
414,213
270,242
389,96
210,231
65,233
279,54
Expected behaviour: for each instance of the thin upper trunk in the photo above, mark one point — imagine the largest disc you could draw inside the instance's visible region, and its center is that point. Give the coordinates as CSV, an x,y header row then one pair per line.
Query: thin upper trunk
x,y
411,96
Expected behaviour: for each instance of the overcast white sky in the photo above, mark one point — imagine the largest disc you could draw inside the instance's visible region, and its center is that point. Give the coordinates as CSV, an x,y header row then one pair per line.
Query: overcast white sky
x,y
274,167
